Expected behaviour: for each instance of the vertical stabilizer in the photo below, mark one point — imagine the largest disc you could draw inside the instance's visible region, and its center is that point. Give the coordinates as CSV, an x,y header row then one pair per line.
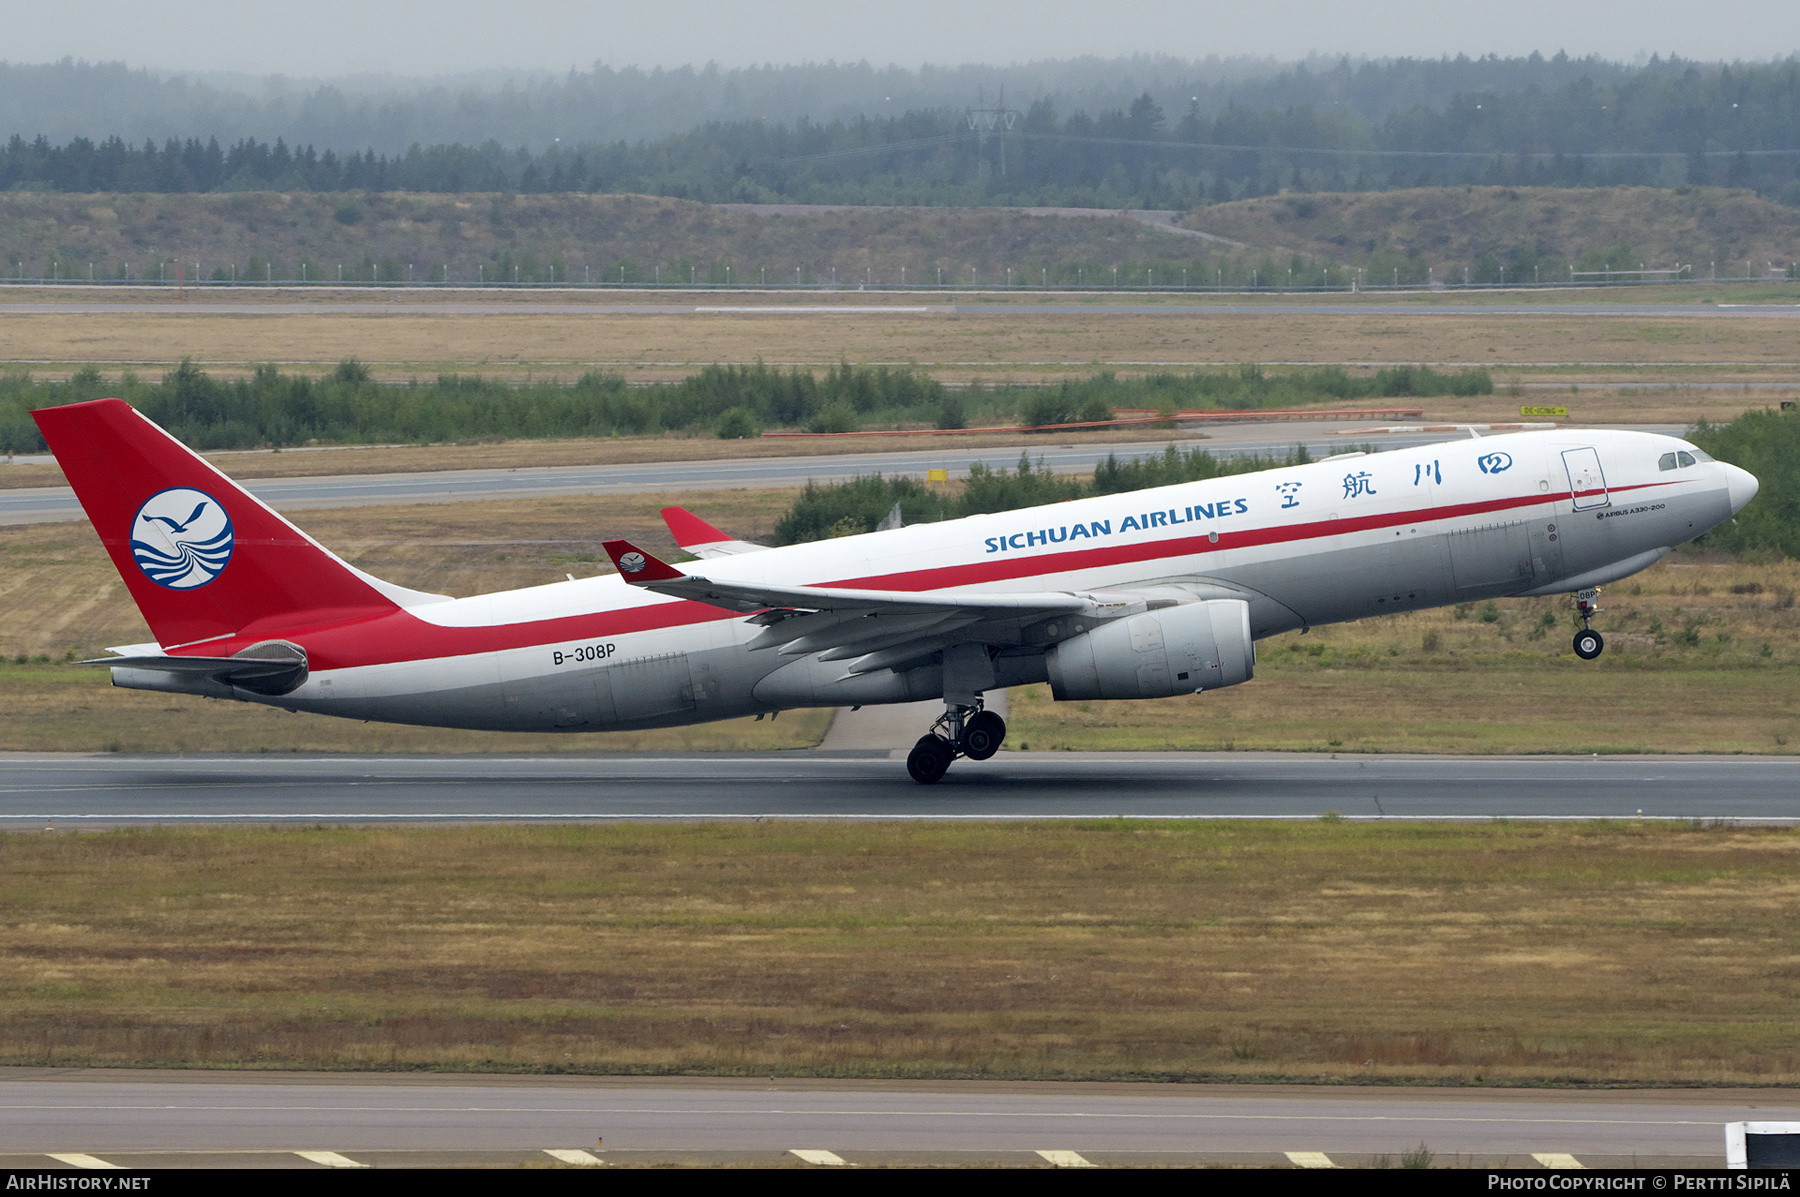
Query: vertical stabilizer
x,y
203,558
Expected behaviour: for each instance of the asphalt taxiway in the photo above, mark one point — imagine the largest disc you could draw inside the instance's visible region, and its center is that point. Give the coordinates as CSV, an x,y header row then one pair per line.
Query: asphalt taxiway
x,y
148,1120
106,789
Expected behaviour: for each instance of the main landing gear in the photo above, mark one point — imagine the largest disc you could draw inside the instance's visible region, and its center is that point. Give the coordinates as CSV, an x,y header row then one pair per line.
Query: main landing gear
x,y
1588,643
960,731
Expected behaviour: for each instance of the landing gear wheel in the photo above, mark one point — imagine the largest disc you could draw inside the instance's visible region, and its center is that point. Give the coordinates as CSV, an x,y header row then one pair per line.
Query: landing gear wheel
x,y
982,736
929,760
1588,644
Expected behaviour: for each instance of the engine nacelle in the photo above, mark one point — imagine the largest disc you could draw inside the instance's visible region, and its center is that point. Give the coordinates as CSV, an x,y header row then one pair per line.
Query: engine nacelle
x,y
1177,650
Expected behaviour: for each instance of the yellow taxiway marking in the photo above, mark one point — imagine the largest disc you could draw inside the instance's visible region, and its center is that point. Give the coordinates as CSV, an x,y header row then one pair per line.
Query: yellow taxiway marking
x,y
1557,1159
1067,1159
330,1159
813,1156
77,1159
574,1155
783,309
1309,1159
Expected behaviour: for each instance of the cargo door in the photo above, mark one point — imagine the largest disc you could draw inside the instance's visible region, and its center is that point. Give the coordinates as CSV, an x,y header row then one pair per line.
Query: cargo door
x,y
652,686
1484,559
556,701
1587,482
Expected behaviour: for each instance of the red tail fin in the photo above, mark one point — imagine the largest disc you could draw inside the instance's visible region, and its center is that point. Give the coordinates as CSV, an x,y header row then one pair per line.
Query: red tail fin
x,y
202,558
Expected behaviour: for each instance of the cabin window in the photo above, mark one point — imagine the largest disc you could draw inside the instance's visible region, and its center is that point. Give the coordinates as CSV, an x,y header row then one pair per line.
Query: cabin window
x,y
1666,462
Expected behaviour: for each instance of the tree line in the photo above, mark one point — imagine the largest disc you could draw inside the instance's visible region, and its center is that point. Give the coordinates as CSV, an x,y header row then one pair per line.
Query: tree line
x,y
273,409
69,99
1727,125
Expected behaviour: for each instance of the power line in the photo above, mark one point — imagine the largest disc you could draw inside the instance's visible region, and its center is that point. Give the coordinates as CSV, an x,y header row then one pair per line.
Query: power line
x,y
1373,153
1225,147
883,148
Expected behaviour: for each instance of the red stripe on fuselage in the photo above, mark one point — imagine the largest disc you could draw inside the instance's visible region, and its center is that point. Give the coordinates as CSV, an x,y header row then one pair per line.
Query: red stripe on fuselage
x,y
401,636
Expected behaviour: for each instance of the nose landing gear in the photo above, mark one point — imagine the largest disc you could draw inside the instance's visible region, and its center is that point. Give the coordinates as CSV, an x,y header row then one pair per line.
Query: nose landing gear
x,y
1588,643
960,731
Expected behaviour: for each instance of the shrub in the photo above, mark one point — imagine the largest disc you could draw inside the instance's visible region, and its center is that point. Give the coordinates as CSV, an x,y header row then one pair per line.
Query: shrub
x,y
950,413
839,417
737,424
857,506
1767,443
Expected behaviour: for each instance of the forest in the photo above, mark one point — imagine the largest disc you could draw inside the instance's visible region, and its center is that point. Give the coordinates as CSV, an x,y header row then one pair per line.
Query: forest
x,y
1548,122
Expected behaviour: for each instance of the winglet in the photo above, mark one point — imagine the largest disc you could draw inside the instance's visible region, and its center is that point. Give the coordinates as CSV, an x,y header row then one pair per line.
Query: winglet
x,y
638,567
700,538
689,529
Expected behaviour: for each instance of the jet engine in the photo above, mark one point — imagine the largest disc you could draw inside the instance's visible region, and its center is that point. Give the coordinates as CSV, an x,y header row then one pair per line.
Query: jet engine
x,y
1175,650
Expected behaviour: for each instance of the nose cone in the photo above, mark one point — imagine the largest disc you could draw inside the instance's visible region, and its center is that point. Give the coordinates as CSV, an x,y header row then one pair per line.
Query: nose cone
x,y
1741,485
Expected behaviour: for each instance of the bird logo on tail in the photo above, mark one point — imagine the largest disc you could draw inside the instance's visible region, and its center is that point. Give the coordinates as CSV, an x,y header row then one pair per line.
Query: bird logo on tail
x,y
182,538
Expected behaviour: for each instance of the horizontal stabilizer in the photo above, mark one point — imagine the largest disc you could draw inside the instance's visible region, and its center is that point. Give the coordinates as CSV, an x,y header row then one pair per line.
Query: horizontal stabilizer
x,y
272,668
220,668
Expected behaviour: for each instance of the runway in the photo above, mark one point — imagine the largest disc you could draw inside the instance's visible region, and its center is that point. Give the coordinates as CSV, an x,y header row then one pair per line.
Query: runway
x,y
104,789
53,504
142,1120
851,303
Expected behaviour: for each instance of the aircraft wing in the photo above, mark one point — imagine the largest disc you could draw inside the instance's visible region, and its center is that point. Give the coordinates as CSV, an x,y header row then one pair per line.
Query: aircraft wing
x,y
881,628
642,569
700,538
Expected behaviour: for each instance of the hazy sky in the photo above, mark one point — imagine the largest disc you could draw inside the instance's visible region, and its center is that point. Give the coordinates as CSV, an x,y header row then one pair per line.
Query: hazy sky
x,y
413,37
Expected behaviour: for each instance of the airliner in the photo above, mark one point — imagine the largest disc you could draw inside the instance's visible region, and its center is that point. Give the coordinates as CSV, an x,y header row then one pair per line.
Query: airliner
x,y
1147,594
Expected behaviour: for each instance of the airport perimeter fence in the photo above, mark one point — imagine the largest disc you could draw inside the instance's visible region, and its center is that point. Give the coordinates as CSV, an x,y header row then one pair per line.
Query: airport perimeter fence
x,y
1790,274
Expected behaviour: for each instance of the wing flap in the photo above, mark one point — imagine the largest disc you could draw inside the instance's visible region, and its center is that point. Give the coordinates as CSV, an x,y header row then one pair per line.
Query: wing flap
x,y
868,626
911,637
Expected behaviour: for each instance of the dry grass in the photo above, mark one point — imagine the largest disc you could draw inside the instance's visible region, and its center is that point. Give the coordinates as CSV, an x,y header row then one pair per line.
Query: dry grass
x,y
952,347
1701,656
587,234
1460,224
1486,707
590,234
1509,954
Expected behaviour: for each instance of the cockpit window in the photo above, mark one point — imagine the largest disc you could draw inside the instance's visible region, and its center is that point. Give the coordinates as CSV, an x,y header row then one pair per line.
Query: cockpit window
x,y
1666,462
1699,456
1685,458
